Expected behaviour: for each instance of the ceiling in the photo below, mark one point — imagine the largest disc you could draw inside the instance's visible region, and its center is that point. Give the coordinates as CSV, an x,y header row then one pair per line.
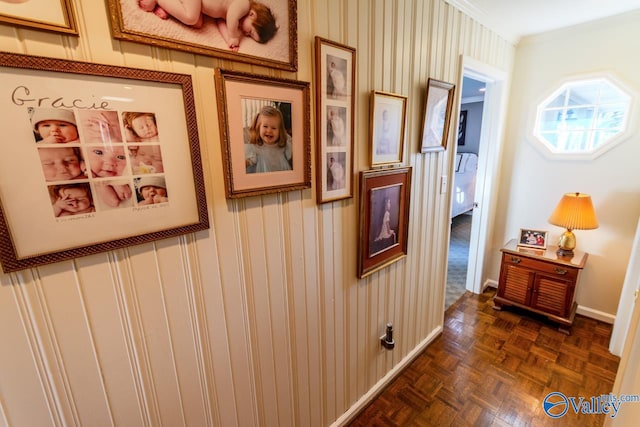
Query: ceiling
x,y
514,19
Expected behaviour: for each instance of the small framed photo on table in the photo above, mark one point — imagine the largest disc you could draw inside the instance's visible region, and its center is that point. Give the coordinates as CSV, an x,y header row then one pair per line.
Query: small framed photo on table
x,y
335,83
533,238
437,115
384,218
388,111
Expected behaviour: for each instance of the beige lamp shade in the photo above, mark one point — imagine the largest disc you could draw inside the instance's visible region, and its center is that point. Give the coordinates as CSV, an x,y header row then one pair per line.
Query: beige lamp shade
x,y
575,212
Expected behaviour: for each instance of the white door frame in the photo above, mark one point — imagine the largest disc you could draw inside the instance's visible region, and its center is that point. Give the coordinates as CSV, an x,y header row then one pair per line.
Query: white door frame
x,y
490,148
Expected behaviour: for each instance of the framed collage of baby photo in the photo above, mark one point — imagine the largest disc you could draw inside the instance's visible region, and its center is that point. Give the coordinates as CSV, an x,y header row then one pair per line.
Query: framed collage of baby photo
x,y
388,111
95,158
265,132
261,32
384,218
335,105
50,15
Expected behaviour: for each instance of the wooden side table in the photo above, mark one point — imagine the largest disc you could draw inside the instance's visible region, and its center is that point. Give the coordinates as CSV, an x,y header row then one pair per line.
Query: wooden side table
x,y
540,281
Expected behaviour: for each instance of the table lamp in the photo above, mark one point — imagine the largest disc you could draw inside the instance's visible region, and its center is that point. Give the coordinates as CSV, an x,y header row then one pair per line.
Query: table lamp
x,y
574,212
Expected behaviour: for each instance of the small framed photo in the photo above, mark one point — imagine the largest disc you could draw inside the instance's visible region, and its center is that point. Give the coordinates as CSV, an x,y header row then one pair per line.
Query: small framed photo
x,y
271,40
265,133
335,83
437,115
384,218
388,111
107,156
533,238
50,15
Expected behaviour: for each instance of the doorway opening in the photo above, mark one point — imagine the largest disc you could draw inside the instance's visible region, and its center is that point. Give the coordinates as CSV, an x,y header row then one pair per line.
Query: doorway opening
x,y
486,110
463,185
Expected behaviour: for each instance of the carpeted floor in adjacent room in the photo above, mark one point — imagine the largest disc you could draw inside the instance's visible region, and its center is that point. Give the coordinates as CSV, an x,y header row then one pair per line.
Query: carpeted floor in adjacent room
x,y
458,258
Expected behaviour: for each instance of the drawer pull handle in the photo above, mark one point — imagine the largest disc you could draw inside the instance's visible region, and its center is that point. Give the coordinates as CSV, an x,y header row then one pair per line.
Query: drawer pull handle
x,y
515,260
560,270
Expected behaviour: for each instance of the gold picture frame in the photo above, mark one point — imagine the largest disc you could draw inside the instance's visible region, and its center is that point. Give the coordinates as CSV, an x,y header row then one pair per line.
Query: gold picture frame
x,y
437,115
253,164
387,118
384,218
88,188
50,15
335,111
131,23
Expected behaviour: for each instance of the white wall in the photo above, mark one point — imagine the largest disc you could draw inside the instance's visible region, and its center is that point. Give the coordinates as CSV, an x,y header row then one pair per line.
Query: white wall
x,y
259,320
532,183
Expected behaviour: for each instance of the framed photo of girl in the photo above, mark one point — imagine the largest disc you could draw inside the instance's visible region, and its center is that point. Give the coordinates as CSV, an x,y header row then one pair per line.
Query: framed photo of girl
x,y
335,83
388,111
265,133
50,15
262,32
108,156
384,218
437,115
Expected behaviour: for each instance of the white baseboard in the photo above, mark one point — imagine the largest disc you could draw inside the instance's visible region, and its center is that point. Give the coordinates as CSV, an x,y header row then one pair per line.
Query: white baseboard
x,y
596,314
355,409
489,283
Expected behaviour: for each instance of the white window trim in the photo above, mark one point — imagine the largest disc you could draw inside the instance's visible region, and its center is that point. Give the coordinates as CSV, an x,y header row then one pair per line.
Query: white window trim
x,y
631,121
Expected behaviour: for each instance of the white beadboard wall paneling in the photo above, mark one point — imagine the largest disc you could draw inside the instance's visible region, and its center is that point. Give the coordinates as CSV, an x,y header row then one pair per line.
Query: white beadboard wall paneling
x,y
116,336
259,320
32,398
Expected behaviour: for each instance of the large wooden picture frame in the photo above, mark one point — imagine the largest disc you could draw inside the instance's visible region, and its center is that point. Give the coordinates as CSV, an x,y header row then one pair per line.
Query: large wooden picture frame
x,y
94,158
255,163
50,15
384,218
279,50
388,112
437,115
335,110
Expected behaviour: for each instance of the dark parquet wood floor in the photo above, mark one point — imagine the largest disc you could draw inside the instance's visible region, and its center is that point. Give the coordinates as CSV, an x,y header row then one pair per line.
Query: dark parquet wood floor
x,y
494,368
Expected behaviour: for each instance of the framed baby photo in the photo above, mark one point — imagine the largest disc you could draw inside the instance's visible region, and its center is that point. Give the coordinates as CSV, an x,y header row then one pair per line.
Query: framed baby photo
x,y
388,111
437,115
335,106
533,238
265,132
384,218
262,33
50,15
94,158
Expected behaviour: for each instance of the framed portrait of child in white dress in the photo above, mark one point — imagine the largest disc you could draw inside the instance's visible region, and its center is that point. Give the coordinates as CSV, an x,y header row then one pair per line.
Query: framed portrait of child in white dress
x,y
437,115
335,109
384,218
388,111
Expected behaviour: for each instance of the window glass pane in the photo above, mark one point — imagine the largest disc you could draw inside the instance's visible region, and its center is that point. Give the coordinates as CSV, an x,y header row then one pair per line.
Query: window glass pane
x,y
610,116
558,101
582,116
601,137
